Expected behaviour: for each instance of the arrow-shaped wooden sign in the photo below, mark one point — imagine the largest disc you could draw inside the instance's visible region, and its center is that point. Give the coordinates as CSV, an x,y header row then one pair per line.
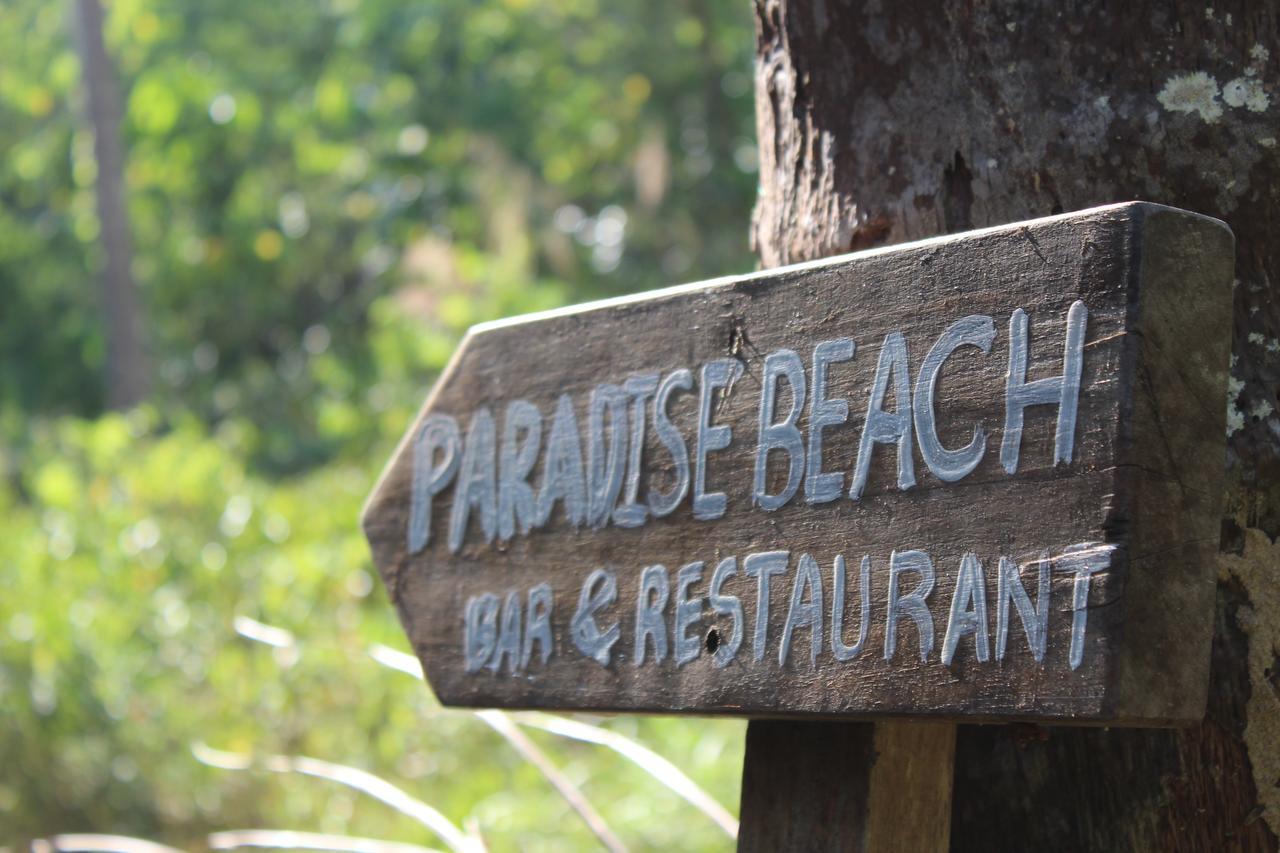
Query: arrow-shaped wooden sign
x,y
975,476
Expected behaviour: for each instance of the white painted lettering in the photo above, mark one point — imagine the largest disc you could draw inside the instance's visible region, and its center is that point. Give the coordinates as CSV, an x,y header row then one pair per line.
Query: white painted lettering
x,y
883,427
841,651
726,605
631,513
516,507
949,465
508,647
784,435
762,566
716,375
824,486
664,504
968,612
481,630
1035,621
1083,560
805,610
599,590
438,433
605,469
537,626
651,602
912,605
1063,390
562,478
688,613
475,482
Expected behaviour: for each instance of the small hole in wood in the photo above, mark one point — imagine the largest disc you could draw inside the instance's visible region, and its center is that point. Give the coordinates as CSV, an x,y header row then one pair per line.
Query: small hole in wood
x,y
713,640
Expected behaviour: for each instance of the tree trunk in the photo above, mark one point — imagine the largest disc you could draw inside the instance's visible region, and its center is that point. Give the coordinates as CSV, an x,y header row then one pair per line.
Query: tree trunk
x,y
126,368
881,122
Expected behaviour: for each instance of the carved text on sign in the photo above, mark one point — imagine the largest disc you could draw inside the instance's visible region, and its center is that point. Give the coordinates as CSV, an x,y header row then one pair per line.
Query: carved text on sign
x,y
489,474
975,476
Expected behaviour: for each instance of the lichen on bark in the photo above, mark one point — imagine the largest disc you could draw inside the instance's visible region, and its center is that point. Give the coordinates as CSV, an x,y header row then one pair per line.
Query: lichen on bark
x,y
1255,570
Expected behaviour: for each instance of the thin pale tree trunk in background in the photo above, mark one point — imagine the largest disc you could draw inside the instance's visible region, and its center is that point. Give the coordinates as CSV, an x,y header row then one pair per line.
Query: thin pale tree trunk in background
x,y
126,369
881,122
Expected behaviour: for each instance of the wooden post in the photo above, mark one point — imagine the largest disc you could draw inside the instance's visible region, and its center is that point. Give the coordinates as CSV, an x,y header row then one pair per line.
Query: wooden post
x,y
806,785
847,786
911,780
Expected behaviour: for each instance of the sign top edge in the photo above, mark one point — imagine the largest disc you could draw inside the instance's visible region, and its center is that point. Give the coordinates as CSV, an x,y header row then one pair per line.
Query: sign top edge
x,y
1135,209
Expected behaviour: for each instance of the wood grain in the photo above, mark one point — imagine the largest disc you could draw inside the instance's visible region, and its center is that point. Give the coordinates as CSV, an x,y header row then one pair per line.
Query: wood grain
x,y
847,786
806,786
1142,479
911,780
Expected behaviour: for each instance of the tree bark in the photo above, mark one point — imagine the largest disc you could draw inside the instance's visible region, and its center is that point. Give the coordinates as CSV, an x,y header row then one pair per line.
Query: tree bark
x,y
126,368
881,122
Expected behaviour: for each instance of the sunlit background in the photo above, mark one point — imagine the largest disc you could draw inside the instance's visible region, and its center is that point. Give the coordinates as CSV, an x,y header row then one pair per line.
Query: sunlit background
x,y
320,197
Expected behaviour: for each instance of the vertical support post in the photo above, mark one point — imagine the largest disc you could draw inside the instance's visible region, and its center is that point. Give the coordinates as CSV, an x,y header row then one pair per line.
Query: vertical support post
x,y
911,781
854,787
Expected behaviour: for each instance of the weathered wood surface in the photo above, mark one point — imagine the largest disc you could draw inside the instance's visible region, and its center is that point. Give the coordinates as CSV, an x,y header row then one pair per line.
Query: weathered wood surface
x,y
1142,485
911,783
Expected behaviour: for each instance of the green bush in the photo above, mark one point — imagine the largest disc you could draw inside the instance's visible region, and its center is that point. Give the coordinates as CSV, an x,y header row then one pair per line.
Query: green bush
x,y
132,550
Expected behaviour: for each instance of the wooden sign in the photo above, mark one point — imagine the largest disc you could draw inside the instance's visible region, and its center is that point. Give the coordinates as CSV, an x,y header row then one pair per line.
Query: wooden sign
x,y
975,476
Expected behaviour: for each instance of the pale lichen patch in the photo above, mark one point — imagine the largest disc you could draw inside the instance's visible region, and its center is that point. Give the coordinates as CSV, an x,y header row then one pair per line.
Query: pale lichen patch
x,y
1246,92
1235,417
1255,570
1196,92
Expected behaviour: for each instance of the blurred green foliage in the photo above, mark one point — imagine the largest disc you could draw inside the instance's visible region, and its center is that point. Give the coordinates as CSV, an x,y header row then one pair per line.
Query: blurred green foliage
x,y
129,553
323,197
292,167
